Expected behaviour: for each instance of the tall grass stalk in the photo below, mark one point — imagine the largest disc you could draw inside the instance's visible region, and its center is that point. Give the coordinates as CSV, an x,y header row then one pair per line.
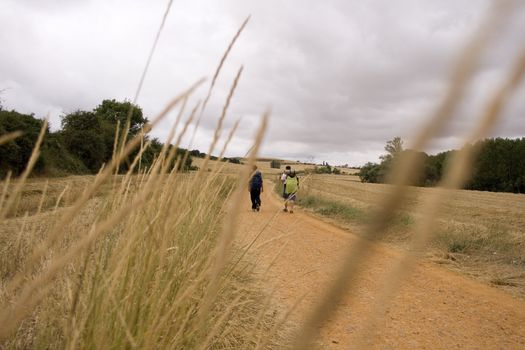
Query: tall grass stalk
x,y
9,137
70,214
402,174
455,177
215,76
145,271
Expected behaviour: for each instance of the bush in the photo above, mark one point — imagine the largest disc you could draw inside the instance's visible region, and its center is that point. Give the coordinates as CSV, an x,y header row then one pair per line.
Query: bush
x,y
197,153
15,154
84,144
371,172
58,160
235,160
275,164
83,135
325,169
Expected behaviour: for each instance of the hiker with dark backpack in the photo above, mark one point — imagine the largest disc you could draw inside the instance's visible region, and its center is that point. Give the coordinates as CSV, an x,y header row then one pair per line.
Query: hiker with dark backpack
x,y
256,187
290,191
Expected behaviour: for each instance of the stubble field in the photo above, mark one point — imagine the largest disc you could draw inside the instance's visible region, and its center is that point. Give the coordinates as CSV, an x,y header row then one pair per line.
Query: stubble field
x,y
481,234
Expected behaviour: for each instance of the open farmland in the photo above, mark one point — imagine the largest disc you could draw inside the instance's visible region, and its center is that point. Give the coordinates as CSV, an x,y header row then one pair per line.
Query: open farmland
x,y
479,233
277,257
265,167
232,168
123,261
118,232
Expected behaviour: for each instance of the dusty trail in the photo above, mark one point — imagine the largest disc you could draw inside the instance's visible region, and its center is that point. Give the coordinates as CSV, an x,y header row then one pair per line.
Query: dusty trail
x,y
435,308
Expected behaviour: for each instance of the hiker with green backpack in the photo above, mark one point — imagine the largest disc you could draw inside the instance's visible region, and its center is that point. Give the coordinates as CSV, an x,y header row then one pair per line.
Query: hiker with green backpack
x,y
290,191
284,175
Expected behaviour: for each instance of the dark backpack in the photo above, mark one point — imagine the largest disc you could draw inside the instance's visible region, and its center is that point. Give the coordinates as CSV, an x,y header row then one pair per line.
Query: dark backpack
x,y
257,181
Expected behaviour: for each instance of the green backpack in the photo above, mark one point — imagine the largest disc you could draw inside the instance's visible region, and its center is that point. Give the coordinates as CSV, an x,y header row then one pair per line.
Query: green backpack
x,y
292,184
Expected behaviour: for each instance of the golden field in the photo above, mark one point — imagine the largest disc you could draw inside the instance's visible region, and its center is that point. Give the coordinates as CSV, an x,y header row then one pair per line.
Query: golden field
x,y
132,261
479,233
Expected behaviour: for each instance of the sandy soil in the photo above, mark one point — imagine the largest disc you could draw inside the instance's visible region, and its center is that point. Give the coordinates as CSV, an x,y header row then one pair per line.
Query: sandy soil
x,y
297,255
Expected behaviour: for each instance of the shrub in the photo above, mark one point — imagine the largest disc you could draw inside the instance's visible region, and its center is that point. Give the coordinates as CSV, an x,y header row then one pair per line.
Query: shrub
x,y
325,169
370,172
15,154
275,164
234,160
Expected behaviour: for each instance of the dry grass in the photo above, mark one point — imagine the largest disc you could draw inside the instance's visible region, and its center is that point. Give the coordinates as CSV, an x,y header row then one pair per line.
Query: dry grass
x,y
127,261
478,233
402,174
43,194
135,261
421,225
232,168
140,284
139,261
264,166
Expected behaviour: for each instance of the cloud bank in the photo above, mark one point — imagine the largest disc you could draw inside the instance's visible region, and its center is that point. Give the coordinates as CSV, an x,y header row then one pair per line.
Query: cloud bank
x,y
340,77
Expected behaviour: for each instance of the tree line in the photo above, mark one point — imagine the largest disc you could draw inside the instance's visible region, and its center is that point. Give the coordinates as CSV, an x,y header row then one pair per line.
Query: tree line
x,y
85,141
499,167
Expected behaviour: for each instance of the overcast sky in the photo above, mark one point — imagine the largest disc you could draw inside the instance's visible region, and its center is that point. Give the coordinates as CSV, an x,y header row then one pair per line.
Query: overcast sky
x,y
341,77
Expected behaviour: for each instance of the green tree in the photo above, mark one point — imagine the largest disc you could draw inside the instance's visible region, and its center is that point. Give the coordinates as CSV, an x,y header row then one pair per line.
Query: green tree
x,y
84,143
500,166
15,154
416,178
153,151
112,113
370,172
197,153
149,155
57,158
434,167
393,148
83,135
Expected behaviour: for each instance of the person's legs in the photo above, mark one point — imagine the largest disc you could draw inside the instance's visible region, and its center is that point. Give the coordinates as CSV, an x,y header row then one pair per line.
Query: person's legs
x,y
253,197
257,199
291,202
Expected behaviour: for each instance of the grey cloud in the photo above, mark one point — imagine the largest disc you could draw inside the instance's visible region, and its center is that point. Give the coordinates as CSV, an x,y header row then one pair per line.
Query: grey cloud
x,y
341,77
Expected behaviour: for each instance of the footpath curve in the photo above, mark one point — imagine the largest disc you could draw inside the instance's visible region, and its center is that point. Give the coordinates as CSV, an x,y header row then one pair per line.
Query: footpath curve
x,y
297,255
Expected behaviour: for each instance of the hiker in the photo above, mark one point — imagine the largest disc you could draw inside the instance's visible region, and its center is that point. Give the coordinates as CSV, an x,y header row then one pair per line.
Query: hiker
x,y
256,187
290,192
284,175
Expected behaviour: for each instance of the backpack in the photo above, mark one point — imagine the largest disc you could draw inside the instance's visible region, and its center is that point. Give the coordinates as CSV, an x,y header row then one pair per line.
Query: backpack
x,y
256,182
292,184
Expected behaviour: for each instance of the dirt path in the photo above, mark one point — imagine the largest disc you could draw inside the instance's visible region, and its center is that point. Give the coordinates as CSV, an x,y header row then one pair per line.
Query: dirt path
x,y
435,308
